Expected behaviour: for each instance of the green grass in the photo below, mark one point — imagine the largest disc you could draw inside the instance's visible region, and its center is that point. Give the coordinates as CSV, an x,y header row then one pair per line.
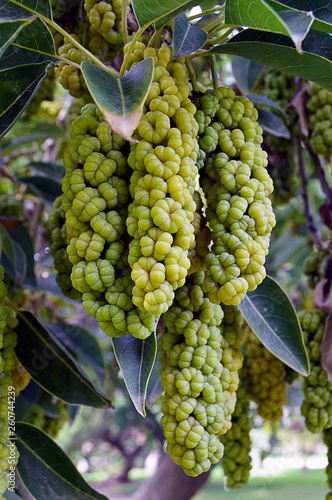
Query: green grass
x,y
293,485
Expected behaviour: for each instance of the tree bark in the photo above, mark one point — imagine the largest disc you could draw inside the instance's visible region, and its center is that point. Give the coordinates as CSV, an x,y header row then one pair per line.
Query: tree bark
x,y
170,483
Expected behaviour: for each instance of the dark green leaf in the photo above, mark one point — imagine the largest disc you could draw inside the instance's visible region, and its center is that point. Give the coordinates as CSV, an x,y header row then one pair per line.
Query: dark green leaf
x,y
120,100
246,72
7,246
52,366
258,14
277,52
51,170
272,124
45,187
39,133
136,359
11,9
9,31
154,11
26,399
81,344
49,405
46,471
16,90
261,100
25,253
321,9
271,315
10,495
186,38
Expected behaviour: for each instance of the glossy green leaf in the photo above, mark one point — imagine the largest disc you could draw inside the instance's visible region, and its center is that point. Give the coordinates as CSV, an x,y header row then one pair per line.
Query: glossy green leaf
x,y
22,68
44,187
51,170
39,133
258,14
271,315
246,72
46,471
52,366
321,9
9,31
261,100
136,359
186,38
81,344
272,123
25,252
120,100
49,405
277,51
154,11
11,9
6,246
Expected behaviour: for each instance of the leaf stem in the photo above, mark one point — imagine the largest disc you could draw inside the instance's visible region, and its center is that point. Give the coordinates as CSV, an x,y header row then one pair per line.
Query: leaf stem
x,y
124,18
206,12
221,38
305,198
80,47
192,75
153,38
212,24
129,51
214,71
216,30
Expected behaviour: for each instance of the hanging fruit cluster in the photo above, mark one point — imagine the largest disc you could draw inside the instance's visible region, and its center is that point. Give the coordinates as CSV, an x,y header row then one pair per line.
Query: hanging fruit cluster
x,y
317,404
8,452
200,357
319,107
237,186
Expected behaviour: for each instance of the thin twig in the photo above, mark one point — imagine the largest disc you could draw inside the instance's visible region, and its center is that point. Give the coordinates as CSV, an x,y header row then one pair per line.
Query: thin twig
x,y
304,193
214,71
191,75
321,176
124,14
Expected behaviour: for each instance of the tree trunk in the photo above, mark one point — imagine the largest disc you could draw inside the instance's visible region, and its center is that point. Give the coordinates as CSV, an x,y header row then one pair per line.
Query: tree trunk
x,y
170,483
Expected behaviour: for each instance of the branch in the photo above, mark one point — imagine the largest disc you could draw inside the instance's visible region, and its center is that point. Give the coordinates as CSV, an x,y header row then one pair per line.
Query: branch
x,y
321,176
304,193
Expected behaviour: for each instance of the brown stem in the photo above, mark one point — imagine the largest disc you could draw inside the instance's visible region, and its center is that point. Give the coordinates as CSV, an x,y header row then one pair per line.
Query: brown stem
x,y
321,176
304,193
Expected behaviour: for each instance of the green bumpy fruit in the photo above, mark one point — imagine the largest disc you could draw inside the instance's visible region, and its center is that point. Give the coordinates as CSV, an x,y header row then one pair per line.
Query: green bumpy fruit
x,y
317,390
236,461
8,321
50,424
313,265
105,19
95,203
200,358
56,228
69,76
266,376
20,376
237,186
61,7
327,436
162,184
319,106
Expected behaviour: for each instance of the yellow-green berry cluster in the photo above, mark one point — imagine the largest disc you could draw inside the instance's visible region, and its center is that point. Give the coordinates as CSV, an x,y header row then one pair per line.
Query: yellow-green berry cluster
x,y
319,106
20,377
49,423
8,321
56,228
69,76
327,436
266,379
95,199
276,86
317,390
237,186
313,267
200,357
61,7
162,185
105,18
236,461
